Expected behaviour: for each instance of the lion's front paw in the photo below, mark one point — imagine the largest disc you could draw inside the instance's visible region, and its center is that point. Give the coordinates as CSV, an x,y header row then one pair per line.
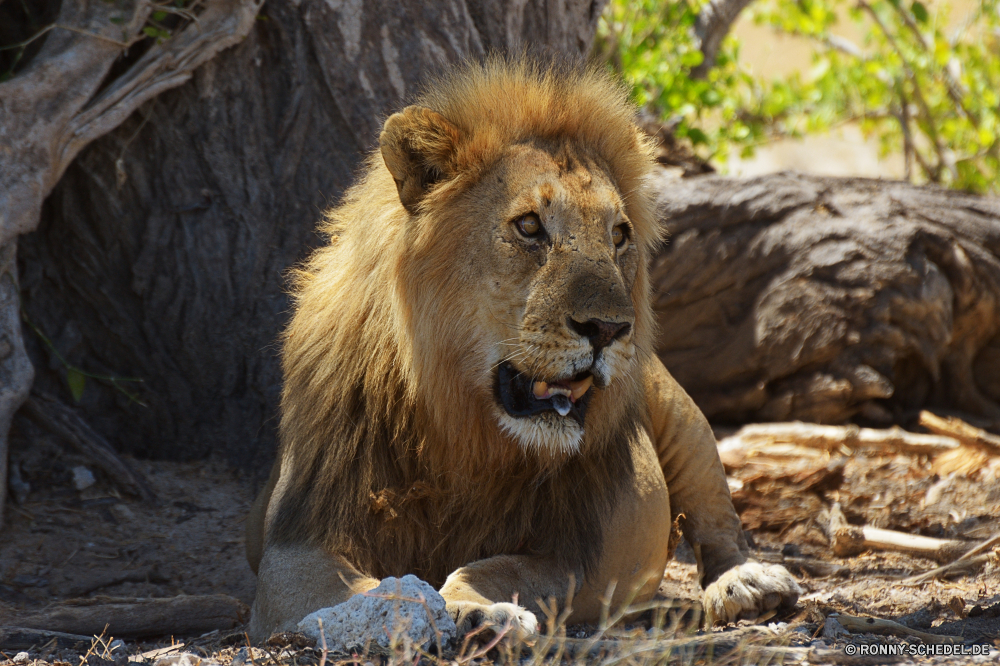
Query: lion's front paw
x,y
747,591
470,615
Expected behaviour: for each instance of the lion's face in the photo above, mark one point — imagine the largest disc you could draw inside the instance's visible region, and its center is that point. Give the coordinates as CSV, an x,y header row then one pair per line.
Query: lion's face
x,y
557,315
521,278
542,262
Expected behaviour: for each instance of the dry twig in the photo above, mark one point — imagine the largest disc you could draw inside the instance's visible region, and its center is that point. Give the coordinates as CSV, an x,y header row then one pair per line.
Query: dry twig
x,y
873,625
847,540
970,561
958,429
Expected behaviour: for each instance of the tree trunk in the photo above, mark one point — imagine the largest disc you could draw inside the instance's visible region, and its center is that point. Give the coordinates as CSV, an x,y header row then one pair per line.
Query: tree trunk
x,y
161,253
822,299
65,94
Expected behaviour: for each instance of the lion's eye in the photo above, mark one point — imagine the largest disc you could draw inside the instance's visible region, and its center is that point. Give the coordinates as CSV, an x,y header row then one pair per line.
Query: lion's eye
x,y
618,236
529,225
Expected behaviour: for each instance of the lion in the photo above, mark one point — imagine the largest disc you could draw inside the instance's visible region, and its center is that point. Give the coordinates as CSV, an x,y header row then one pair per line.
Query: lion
x,y
471,393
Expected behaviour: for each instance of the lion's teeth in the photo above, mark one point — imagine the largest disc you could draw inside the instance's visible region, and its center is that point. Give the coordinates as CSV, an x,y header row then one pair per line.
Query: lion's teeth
x,y
580,387
540,389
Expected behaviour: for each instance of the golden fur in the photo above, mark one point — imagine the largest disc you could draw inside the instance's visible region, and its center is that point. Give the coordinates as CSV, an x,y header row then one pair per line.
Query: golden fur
x,y
395,455
372,423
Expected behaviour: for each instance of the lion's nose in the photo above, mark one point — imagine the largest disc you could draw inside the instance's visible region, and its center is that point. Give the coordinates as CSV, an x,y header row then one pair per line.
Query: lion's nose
x,y
600,332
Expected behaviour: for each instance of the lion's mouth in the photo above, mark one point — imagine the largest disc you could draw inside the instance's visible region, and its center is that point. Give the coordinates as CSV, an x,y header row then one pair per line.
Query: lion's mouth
x,y
521,395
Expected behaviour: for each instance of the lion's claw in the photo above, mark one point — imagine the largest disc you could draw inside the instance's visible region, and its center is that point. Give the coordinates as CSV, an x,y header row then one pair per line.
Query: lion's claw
x,y
469,615
749,590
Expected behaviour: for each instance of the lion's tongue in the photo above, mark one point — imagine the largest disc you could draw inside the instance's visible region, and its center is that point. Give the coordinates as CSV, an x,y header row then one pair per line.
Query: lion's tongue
x,y
562,404
562,394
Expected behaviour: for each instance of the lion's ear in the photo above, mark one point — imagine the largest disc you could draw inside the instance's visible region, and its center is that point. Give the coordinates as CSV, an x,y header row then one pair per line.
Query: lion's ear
x,y
417,146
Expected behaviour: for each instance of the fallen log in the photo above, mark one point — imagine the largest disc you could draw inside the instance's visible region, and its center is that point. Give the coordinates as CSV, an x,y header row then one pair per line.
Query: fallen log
x,y
792,297
135,618
22,638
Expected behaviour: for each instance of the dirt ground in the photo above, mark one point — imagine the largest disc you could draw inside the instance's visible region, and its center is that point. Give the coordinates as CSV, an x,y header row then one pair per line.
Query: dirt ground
x,y
62,543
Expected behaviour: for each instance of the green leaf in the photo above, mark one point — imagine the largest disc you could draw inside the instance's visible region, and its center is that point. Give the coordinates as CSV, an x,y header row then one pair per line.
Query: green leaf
x,y
117,20
77,382
697,136
151,31
159,16
920,11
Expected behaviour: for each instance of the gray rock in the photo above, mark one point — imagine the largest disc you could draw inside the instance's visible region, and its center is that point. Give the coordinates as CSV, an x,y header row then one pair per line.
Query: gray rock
x,y
834,629
83,478
21,657
372,619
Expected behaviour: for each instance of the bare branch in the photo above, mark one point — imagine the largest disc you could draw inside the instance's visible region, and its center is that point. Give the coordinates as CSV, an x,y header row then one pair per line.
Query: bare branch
x,y
944,161
49,112
714,22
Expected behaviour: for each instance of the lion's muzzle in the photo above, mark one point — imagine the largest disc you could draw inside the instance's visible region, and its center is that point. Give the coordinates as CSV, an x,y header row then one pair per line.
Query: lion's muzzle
x,y
522,395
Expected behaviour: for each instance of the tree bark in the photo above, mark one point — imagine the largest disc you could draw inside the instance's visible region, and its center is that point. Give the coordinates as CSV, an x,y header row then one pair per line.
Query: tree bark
x,y
791,297
161,253
61,101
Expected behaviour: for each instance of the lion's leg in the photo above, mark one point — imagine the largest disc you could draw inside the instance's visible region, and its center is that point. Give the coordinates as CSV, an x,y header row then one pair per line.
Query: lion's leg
x,y
483,592
631,564
293,581
734,586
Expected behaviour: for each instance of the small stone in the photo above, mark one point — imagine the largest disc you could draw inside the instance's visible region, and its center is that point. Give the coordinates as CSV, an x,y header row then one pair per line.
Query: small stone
x,y
834,629
241,657
21,657
117,645
380,616
83,478
123,513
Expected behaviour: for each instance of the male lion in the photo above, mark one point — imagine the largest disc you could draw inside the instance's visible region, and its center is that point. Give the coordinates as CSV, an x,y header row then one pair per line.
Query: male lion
x,y
471,393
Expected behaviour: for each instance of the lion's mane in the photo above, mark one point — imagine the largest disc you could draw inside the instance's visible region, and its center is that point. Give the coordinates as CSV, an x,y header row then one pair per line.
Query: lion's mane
x,y
389,462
